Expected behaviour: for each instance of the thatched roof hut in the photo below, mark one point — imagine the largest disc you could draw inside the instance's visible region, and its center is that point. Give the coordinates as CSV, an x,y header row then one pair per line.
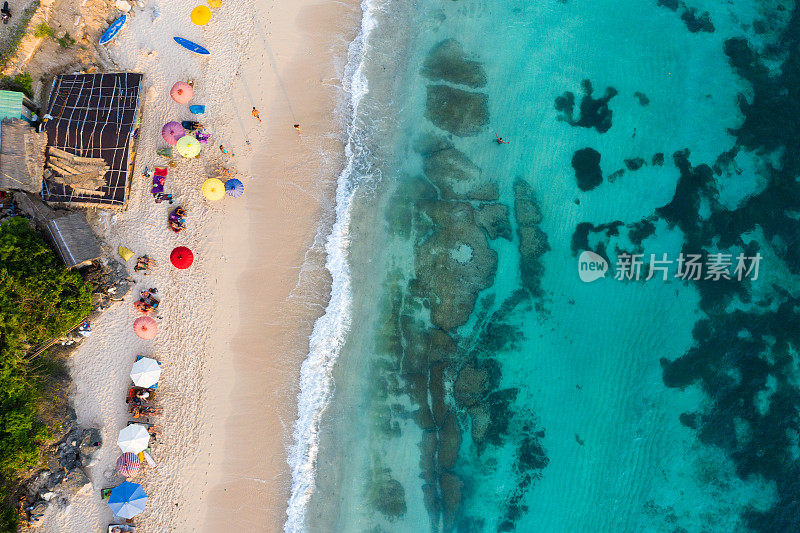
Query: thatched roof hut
x,y
21,156
73,239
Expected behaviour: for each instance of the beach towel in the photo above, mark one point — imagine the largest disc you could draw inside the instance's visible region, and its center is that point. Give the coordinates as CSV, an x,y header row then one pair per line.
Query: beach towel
x,y
159,178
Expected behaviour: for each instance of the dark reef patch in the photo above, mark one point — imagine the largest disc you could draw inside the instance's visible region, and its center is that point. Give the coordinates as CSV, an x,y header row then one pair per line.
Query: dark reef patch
x,y
447,61
594,113
586,163
616,174
462,113
635,163
697,23
694,23
658,160
642,98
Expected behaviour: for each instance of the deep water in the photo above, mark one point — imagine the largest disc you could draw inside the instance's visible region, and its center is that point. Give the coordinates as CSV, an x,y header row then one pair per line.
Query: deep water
x,y
483,386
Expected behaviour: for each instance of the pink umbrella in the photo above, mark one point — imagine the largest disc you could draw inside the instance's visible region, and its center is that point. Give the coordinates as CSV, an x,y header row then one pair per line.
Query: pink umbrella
x,y
172,131
181,92
128,464
145,327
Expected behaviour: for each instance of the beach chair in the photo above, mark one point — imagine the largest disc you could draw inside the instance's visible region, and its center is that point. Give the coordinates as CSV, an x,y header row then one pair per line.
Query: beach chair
x,y
120,527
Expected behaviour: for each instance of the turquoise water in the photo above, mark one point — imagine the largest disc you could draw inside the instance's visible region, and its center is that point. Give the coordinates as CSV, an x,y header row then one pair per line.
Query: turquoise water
x,y
464,378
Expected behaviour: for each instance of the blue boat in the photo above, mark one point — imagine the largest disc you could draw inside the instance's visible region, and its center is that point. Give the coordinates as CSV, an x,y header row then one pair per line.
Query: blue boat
x,y
113,30
191,46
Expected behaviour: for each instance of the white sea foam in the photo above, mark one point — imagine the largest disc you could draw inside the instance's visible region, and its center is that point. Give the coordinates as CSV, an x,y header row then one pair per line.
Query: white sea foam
x,y
330,330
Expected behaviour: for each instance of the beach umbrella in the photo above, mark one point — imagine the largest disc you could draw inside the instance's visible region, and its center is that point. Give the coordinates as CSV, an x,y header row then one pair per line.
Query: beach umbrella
x,y
201,15
127,499
188,146
172,131
134,438
234,187
145,372
181,257
181,92
213,189
145,327
128,464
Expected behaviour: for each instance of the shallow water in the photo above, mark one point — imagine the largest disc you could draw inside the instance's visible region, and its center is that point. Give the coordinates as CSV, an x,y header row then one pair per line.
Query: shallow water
x,y
481,385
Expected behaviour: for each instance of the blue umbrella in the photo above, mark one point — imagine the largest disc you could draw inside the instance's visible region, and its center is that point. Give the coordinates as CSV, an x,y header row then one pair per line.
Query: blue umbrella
x,y
234,187
127,500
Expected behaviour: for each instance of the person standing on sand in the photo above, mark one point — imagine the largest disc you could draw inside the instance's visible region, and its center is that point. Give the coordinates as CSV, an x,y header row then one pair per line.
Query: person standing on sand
x,y
256,114
297,127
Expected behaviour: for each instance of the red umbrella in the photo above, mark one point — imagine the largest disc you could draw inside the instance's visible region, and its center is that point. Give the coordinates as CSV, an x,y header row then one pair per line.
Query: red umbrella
x,y
181,257
128,464
145,327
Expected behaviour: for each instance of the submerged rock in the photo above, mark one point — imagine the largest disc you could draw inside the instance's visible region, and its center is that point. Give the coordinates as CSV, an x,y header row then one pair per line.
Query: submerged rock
x,y
462,113
453,173
436,392
451,497
532,240
388,495
450,286
493,218
470,386
449,442
634,163
586,163
447,61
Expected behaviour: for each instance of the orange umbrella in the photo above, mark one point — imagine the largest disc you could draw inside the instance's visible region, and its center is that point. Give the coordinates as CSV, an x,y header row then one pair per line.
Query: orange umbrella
x,y
181,92
145,327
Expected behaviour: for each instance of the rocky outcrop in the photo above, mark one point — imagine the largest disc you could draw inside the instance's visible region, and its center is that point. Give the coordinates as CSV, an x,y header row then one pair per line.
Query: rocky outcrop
x,y
462,113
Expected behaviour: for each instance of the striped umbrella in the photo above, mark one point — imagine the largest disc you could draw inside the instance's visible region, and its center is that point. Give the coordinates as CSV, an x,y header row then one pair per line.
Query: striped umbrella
x,y
234,187
128,464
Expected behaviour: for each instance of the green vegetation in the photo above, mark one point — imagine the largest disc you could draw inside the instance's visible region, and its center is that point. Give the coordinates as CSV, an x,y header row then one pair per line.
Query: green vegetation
x,y
9,46
20,82
66,41
40,300
44,30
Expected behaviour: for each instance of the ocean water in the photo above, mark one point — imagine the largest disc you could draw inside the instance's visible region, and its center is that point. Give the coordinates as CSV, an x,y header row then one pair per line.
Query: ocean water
x,y
464,377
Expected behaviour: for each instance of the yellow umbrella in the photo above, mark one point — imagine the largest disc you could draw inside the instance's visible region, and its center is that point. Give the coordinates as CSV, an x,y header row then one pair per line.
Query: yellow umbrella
x,y
201,15
213,189
188,146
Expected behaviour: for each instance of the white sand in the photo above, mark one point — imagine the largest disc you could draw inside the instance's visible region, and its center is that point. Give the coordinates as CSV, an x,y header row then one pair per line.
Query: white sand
x,y
235,325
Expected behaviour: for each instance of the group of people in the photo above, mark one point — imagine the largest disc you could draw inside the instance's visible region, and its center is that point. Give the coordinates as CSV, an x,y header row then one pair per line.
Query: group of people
x,y
147,301
177,220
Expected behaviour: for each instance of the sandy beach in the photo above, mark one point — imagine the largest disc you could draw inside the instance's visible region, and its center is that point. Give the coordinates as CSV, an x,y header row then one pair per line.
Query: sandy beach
x,y
234,327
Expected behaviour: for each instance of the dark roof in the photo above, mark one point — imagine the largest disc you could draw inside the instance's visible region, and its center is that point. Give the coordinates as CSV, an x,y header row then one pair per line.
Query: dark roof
x,y
73,239
94,115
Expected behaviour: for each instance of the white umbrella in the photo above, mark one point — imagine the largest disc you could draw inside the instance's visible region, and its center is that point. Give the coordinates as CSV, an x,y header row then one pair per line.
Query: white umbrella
x,y
133,438
145,372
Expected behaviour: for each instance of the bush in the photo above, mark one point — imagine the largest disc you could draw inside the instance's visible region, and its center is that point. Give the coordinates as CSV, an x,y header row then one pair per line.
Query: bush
x,y
66,41
21,82
40,299
44,30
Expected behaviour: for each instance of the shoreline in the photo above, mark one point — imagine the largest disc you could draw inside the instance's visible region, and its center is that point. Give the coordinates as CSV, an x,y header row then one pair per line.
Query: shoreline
x,y
294,179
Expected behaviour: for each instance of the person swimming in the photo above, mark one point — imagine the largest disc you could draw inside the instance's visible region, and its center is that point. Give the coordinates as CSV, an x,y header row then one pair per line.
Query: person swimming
x,y
499,140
